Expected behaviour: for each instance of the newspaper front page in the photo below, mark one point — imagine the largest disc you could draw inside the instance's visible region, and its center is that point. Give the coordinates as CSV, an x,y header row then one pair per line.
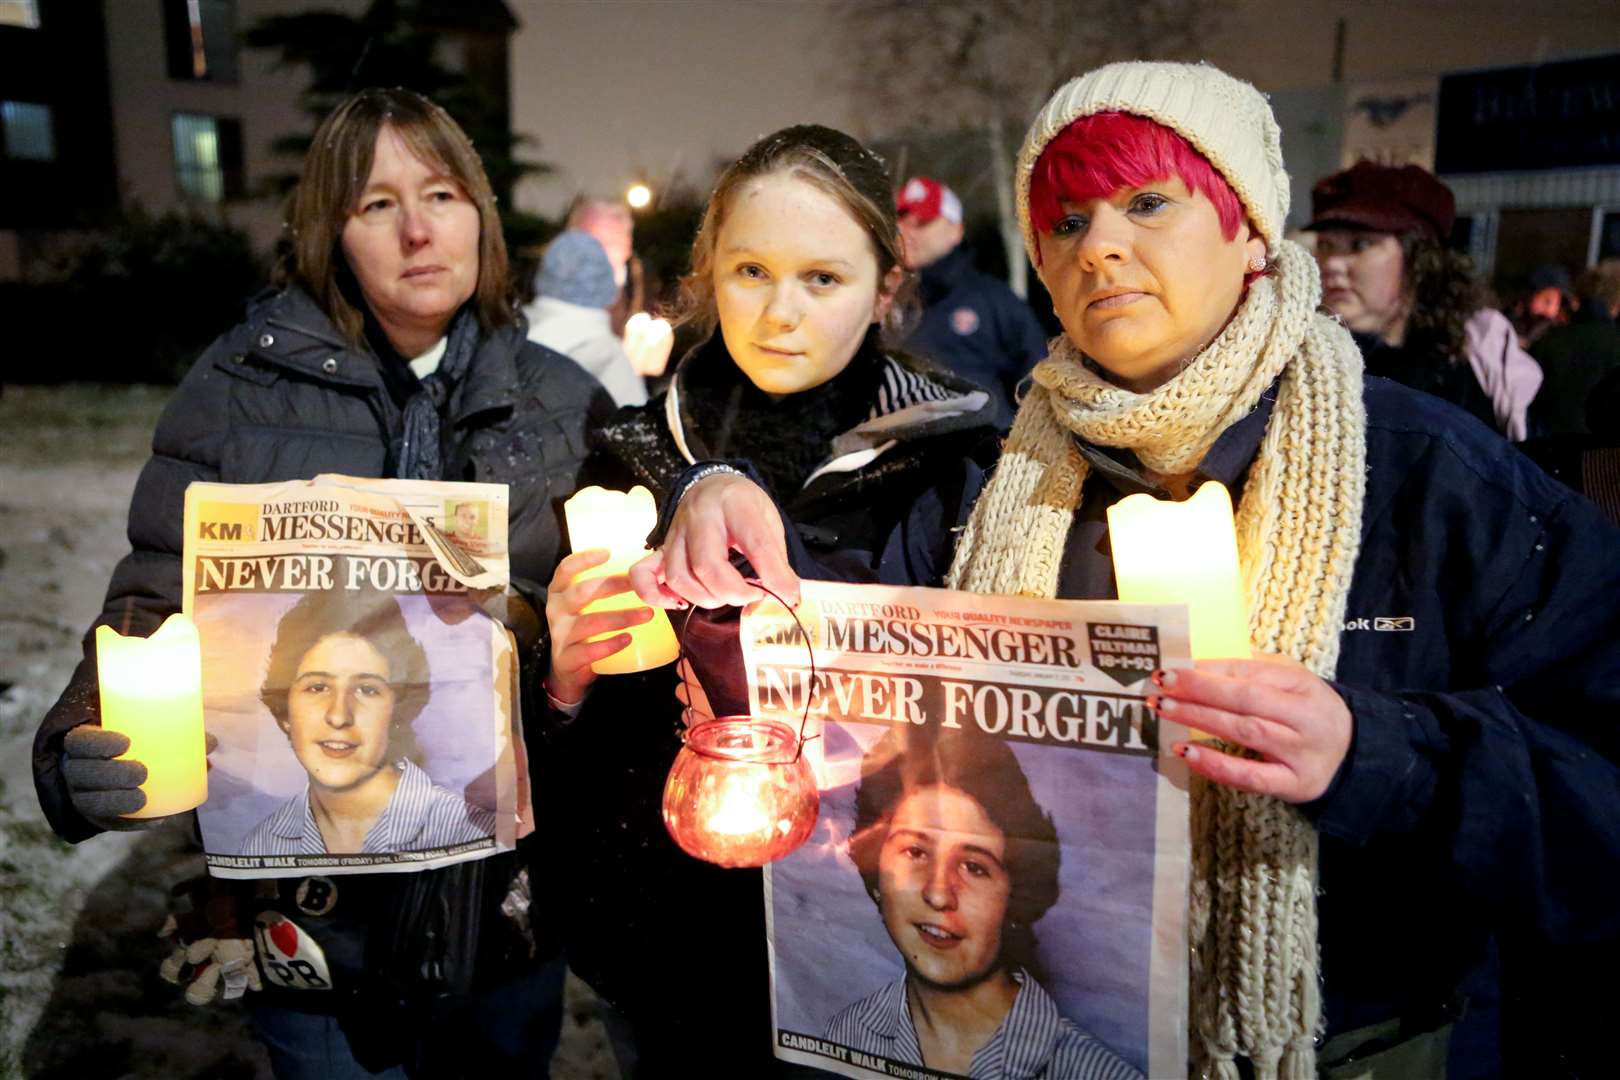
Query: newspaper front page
x,y
363,700
997,884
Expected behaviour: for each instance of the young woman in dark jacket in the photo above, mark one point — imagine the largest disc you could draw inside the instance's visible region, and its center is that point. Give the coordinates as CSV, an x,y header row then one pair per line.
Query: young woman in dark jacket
x,y
794,271
392,351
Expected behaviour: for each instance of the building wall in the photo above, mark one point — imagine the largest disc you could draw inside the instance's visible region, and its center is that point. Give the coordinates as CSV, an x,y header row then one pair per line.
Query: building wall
x,y
1279,44
145,99
61,64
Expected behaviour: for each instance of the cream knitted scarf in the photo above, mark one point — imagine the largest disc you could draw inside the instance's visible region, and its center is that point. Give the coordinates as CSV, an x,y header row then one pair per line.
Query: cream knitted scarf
x,y
1253,906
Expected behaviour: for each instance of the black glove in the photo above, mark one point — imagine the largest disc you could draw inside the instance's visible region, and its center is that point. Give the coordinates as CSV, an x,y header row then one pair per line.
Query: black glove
x,y
102,789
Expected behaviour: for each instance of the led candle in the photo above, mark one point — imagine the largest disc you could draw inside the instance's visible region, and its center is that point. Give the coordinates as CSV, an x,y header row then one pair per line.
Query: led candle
x,y
151,691
620,522
647,342
1184,553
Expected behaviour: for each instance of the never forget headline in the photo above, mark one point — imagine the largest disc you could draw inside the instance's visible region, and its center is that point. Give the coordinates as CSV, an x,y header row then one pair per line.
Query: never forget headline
x,y
322,573
1057,716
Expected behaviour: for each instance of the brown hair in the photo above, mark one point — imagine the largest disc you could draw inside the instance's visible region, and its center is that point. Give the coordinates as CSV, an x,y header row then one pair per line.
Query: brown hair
x,y
1444,296
831,161
336,169
374,617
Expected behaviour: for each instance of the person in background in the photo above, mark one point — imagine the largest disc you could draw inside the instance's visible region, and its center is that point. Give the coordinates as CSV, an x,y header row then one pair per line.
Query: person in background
x,y
1381,235
971,323
1549,301
1578,355
614,228
391,348
574,288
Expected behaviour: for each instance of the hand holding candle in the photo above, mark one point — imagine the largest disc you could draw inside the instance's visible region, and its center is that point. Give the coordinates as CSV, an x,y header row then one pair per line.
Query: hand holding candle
x,y
579,640
151,693
619,522
1186,553
1295,723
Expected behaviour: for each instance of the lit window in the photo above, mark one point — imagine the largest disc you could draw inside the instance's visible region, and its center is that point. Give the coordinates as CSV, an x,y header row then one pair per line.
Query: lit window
x,y
1609,235
28,131
208,156
201,39
24,13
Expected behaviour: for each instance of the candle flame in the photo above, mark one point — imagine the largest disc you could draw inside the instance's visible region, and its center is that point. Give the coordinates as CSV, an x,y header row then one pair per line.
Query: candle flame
x,y
739,808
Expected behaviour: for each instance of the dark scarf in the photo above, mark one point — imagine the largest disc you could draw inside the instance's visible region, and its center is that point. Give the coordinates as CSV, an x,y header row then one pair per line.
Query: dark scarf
x,y
421,450
785,439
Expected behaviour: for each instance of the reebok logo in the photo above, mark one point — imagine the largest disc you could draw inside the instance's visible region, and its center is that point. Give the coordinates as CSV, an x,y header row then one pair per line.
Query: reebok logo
x,y
1384,623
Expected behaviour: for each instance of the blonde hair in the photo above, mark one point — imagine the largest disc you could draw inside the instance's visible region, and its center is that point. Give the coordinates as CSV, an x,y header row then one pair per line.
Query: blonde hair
x,y
336,170
831,161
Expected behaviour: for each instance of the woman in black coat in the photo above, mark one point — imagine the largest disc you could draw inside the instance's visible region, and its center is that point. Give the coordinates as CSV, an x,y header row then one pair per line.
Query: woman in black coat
x,y
392,350
797,266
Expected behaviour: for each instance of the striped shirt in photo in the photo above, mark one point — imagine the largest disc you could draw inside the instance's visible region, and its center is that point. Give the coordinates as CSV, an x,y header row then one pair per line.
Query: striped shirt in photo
x,y
1034,1042
420,815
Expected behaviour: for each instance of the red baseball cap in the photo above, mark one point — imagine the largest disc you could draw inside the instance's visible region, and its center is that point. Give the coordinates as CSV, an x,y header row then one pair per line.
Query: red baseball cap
x,y
924,199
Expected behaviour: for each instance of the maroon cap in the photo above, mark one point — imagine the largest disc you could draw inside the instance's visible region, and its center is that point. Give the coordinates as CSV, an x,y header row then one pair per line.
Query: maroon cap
x,y
1386,198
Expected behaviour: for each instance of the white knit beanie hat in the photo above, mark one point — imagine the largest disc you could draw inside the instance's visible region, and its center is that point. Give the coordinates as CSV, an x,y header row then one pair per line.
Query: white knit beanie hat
x,y
1225,119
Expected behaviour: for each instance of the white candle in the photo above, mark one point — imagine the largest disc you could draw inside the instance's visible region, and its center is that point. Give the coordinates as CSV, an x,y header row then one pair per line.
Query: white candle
x,y
151,691
1184,553
620,522
647,342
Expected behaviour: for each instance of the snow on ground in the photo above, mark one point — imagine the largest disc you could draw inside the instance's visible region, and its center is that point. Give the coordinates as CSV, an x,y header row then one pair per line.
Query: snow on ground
x,y
79,992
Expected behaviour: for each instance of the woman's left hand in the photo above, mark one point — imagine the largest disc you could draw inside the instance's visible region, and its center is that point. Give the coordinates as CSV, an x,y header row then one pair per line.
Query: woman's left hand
x,y
1275,706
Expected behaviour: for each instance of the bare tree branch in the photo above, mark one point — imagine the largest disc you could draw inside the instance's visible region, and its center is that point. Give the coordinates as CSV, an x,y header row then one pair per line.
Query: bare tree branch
x,y
987,65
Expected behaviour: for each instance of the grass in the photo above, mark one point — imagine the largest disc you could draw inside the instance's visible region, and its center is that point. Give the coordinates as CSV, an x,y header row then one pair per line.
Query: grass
x,y
79,422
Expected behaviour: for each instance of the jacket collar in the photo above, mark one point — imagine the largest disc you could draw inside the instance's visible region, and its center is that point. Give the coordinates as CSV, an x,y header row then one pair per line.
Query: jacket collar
x,y
287,329
942,275
915,399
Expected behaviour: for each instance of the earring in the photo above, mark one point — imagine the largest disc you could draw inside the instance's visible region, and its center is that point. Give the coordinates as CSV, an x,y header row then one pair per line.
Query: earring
x,y
1257,264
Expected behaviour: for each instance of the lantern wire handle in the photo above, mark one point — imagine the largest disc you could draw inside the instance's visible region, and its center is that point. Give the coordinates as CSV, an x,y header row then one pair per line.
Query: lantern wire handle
x,y
810,687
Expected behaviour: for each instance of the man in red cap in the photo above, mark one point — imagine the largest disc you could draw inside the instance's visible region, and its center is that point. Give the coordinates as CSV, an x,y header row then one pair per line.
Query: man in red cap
x,y
971,322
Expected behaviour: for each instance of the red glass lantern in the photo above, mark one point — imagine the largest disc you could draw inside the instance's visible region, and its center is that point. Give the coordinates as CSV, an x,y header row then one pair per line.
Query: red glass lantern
x,y
740,793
